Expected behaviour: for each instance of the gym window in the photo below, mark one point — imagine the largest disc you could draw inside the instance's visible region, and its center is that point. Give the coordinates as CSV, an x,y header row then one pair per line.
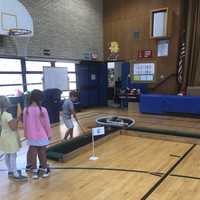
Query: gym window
x,y
10,77
70,66
10,65
34,74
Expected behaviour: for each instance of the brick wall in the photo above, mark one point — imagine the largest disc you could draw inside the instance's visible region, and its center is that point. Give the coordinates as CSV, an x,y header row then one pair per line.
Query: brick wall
x,y
68,28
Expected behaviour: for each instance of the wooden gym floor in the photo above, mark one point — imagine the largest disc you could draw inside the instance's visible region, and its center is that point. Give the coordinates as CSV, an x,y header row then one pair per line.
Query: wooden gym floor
x,y
129,167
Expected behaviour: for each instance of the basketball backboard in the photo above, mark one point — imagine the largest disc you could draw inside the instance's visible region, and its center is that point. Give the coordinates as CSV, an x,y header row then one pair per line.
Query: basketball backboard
x,y
13,15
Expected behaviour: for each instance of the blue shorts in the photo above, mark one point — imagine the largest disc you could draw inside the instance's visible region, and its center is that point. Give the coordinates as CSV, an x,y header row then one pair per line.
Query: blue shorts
x,y
38,143
68,123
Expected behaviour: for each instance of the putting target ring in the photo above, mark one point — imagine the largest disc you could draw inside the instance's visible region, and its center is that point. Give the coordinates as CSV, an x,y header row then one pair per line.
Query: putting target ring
x,y
115,121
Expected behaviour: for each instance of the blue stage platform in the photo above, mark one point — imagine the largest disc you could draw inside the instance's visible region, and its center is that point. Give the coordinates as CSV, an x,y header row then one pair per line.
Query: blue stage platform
x,y
169,104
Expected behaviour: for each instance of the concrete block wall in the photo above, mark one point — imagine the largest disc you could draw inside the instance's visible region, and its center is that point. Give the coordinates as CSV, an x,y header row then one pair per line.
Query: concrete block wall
x,y
68,28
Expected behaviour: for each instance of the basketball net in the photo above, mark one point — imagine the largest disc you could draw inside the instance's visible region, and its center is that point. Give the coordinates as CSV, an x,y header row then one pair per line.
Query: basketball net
x,y
21,38
21,44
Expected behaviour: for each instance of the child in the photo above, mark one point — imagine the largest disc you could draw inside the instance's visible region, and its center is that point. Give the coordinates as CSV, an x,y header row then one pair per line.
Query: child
x,y
9,140
68,110
37,130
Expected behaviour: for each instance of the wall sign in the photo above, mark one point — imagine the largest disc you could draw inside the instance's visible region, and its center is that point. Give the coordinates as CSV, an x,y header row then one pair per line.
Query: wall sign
x,y
93,77
145,54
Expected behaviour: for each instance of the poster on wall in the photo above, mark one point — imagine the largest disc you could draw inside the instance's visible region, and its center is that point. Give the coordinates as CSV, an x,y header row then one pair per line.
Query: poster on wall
x,y
144,72
162,48
93,77
111,74
114,50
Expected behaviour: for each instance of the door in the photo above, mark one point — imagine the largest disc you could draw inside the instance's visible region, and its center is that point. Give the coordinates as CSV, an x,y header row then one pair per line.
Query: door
x,y
94,96
82,84
92,84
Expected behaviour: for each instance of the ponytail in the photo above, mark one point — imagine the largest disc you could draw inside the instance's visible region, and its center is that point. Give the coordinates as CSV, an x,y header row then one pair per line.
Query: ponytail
x,y
40,107
36,97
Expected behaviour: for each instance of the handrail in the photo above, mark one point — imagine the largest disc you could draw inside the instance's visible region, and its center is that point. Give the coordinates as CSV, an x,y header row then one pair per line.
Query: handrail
x,y
163,81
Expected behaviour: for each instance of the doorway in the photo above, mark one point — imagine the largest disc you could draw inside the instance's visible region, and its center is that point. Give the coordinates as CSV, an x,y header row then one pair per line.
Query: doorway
x,y
114,83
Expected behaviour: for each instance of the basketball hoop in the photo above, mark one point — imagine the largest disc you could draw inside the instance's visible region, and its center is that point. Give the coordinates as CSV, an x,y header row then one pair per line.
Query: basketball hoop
x,y
19,32
21,39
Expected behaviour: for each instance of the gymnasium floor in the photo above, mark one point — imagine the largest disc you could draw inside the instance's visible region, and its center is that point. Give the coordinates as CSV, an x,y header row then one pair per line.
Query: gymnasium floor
x,y
130,167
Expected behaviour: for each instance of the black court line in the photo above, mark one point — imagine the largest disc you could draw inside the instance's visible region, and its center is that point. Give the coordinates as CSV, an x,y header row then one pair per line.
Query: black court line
x,y
103,169
123,170
109,169
176,156
118,169
157,184
183,176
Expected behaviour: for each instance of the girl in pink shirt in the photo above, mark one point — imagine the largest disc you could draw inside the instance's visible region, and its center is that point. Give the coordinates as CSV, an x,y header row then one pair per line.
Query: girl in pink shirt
x,y
37,131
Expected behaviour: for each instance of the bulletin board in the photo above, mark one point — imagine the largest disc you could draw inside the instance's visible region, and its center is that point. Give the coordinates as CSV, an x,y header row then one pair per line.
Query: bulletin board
x,y
143,72
56,78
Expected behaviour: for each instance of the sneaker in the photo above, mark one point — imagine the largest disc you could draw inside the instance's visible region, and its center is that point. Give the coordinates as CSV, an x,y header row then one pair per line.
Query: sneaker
x,y
22,173
28,168
17,177
40,168
35,174
10,174
20,178
45,172
19,172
